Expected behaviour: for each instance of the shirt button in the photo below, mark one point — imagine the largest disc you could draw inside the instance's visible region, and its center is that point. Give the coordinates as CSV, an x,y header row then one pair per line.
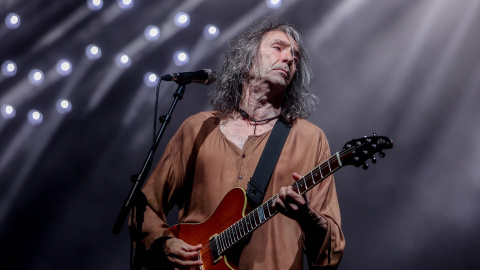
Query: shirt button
x,y
243,156
240,177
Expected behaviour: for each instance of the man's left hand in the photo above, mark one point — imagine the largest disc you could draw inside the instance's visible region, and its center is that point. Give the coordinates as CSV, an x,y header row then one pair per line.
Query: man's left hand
x,y
290,203
295,206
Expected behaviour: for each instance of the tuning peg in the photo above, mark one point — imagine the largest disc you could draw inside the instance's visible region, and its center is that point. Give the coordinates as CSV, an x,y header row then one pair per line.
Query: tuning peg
x,y
374,160
381,154
365,166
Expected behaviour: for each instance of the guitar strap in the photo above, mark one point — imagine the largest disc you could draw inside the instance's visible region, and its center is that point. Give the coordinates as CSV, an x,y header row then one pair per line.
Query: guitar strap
x,y
259,181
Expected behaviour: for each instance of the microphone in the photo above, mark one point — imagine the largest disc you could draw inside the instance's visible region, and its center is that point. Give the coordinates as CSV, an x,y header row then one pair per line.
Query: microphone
x,y
203,76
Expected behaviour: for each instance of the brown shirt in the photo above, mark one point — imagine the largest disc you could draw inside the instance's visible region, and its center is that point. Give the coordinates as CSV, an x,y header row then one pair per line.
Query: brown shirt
x,y
200,165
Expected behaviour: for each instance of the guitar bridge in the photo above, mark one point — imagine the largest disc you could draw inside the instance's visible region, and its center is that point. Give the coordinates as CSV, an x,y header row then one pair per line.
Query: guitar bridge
x,y
199,258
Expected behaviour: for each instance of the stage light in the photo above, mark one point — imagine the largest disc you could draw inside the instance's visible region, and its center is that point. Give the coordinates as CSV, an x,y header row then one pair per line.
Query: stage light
x,y
9,68
125,4
63,106
210,32
64,67
180,58
8,112
95,4
123,61
35,117
182,20
93,52
150,79
274,3
35,77
151,33
12,21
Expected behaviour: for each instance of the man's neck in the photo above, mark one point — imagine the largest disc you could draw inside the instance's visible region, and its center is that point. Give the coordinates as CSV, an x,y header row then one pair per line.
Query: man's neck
x,y
261,102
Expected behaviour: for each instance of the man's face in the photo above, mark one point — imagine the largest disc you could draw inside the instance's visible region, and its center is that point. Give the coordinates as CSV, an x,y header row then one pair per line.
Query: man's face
x,y
277,59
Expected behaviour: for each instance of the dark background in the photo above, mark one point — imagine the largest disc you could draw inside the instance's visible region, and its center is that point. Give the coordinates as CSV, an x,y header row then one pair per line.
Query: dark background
x,y
409,70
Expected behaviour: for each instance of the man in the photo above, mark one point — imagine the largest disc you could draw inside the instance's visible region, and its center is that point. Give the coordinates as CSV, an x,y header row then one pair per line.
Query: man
x,y
264,79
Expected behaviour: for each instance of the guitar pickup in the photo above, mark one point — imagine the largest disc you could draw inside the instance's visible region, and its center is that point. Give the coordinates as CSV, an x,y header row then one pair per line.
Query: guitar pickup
x,y
214,249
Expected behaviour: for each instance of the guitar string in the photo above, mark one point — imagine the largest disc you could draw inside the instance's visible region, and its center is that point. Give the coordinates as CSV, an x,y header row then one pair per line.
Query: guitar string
x,y
268,204
320,169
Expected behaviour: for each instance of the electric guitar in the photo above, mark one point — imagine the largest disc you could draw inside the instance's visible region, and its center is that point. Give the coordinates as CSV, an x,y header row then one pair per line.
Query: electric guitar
x,y
229,223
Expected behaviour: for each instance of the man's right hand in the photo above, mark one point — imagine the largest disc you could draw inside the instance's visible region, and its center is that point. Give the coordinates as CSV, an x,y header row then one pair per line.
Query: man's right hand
x,y
181,254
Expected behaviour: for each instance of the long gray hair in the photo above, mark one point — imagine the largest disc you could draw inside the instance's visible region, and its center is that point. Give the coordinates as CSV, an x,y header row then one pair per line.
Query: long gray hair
x,y
238,59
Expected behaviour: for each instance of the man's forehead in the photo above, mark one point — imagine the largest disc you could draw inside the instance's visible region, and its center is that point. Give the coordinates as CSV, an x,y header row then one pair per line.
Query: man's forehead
x,y
280,37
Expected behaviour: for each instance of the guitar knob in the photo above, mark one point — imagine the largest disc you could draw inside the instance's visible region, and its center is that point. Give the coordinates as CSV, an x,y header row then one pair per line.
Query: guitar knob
x,y
365,166
374,160
381,154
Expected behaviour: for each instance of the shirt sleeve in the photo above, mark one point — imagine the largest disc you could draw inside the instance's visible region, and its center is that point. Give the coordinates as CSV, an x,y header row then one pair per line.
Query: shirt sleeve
x,y
160,191
324,249
163,189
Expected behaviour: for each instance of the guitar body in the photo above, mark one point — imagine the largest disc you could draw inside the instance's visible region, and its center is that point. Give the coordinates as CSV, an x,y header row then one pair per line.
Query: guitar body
x,y
231,209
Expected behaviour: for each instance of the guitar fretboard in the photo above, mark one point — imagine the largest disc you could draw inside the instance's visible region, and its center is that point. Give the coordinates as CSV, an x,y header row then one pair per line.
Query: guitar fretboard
x,y
264,212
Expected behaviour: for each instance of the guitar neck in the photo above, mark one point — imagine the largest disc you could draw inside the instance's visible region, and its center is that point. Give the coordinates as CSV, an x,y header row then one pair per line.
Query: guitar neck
x,y
264,212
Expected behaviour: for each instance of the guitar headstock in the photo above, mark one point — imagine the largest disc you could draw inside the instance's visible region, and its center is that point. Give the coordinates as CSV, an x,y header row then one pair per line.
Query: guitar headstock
x,y
356,152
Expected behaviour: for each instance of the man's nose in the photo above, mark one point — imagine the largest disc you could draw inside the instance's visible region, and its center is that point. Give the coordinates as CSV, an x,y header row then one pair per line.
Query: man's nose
x,y
287,58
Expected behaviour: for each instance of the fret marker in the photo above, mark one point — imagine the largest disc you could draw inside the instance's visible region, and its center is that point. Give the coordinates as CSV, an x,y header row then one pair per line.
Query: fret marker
x,y
261,214
339,161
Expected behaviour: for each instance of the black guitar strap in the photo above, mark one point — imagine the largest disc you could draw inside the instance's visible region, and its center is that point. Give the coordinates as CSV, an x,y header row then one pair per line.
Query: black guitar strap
x,y
259,181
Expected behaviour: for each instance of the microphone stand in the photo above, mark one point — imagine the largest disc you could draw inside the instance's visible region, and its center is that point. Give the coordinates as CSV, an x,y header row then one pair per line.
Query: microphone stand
x,y
136,200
